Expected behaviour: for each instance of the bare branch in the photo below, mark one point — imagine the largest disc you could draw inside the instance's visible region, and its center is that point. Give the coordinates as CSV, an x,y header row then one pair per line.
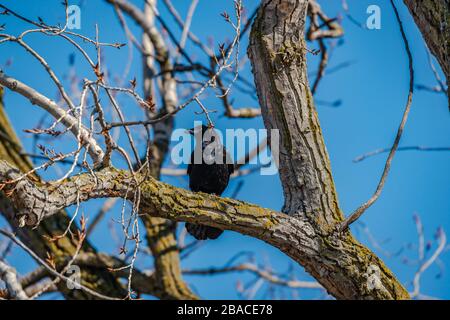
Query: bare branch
x,y
187,23
406,148
9,275
252,268
292,235
358,212
107,206
424,265
57,112
49,268
180,23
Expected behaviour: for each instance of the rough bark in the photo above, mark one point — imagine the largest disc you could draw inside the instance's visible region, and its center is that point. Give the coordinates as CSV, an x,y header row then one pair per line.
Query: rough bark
x,y
433,19
277,52
306,231
160,233
341,265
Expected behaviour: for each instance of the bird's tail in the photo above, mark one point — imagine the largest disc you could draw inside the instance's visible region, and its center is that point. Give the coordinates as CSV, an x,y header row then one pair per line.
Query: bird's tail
x,y
201,232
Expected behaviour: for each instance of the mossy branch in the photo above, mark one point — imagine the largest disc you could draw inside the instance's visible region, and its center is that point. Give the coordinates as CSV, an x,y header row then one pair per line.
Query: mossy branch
x,y
292,235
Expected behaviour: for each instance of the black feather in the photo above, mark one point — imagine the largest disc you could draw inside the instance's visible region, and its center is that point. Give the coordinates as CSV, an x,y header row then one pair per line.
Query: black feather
x,y
209,177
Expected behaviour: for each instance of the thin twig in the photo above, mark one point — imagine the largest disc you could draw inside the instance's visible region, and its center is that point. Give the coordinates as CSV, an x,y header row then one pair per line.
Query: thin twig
x,y
50,269
424,265
262,274
407,148
358,212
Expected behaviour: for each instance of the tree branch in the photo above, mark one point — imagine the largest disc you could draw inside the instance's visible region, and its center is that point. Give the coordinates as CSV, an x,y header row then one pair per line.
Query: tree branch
x,y
9,275
56,111
252,268
292,235
277,51
97,279
361,209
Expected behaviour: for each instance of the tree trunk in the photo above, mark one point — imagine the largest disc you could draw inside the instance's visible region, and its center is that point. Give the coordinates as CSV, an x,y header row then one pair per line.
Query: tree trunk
x,y
161,233
347,269
306,232
433,19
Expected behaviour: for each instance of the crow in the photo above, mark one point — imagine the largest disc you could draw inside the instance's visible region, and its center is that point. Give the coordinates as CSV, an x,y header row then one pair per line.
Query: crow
x,y
209,172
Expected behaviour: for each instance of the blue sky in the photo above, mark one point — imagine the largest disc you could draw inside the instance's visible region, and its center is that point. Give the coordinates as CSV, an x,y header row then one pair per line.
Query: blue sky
x,y
372,91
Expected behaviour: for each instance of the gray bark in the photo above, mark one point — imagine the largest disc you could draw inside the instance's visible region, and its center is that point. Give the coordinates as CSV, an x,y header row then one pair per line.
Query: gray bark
x,y
306,231
433,19
277,52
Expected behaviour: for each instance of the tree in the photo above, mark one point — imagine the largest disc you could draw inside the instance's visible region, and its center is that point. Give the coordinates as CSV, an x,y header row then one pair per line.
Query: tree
x,y
311,229
432,18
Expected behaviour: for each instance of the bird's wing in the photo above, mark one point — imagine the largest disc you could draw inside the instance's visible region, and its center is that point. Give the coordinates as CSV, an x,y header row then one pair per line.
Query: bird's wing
x,y
228,161
189,168
231,168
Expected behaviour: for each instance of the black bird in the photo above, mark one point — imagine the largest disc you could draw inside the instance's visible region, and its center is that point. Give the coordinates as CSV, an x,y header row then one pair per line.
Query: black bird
x,y
208,174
